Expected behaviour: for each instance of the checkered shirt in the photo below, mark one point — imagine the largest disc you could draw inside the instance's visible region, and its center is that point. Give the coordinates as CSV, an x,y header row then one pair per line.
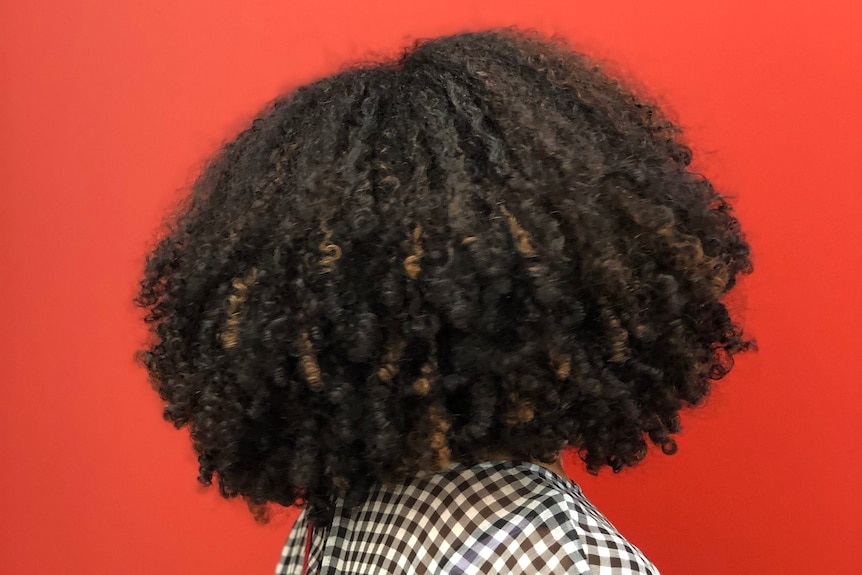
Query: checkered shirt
x,y
503,517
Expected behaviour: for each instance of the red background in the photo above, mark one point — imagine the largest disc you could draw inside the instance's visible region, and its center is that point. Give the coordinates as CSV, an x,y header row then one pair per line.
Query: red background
x,y
107,109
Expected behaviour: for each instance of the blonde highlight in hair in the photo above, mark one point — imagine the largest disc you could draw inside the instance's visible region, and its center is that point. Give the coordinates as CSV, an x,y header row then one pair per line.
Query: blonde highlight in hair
x,y
308,363
422,386
689,254
562,365
440,434
230,335
411,262
389,369
519,411
331,251
523,240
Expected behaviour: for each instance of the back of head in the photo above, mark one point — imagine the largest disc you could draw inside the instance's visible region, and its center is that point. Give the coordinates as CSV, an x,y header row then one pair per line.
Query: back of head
x,y
483,245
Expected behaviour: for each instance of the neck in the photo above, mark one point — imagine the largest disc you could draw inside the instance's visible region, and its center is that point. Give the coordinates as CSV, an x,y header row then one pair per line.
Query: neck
x,y
556,466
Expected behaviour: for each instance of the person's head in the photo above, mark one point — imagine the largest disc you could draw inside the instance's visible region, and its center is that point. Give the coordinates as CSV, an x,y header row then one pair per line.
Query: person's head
x,y
483,245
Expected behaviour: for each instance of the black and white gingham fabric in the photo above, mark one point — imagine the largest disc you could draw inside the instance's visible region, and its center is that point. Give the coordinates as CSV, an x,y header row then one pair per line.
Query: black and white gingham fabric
x,y
503,517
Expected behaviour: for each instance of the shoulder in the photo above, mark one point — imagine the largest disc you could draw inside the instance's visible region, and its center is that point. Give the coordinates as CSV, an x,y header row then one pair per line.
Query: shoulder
x,y
552,526
526,540
497,517
513,517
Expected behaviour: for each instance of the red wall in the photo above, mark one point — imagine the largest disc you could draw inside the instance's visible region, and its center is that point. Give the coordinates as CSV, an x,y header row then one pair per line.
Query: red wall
x,y
107,106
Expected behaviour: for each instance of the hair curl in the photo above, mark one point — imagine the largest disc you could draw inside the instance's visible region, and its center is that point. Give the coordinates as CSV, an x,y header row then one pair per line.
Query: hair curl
x,y
485,244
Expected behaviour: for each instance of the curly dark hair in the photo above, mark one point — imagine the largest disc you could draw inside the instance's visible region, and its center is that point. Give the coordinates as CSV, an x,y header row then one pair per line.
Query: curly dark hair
x,y
482,245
